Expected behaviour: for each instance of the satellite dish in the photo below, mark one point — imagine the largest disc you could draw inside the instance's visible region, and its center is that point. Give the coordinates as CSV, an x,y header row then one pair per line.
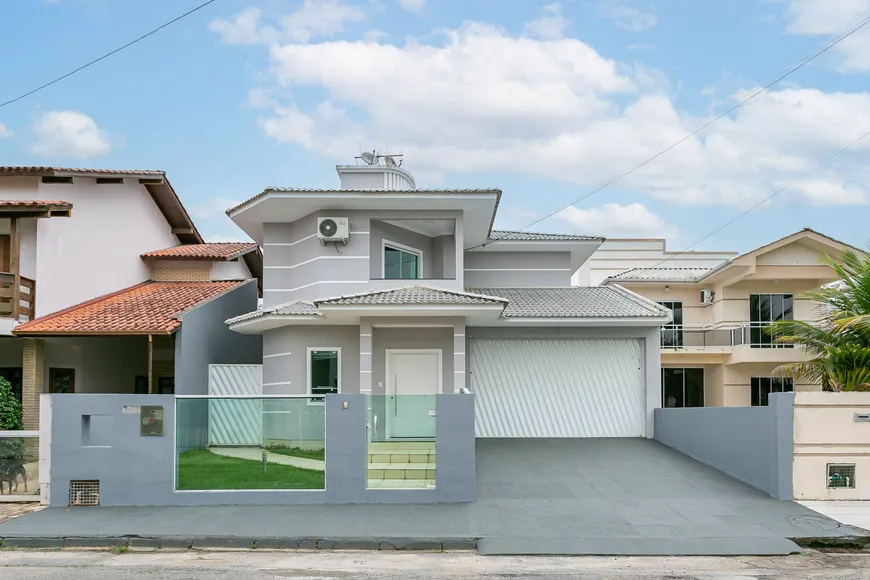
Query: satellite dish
x,y
390,161
369,158
327,228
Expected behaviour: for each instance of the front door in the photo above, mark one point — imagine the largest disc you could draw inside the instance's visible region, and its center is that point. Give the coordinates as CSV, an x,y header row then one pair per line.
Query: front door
x,y
413,380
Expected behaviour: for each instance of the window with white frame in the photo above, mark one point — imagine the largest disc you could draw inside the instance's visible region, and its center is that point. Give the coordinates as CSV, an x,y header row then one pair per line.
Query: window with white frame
x,y
324,372
402,262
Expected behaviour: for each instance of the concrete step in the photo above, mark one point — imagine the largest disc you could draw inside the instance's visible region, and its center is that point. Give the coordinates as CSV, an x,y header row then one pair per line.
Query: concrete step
x,y
378,446
400,483
402,456
401,470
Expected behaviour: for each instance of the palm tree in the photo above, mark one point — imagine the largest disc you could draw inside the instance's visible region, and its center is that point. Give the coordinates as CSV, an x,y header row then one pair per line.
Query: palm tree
x,y
839,341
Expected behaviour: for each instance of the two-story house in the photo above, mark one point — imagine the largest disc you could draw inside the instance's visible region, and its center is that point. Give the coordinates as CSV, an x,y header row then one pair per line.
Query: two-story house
x,y
98,270
716,351
381,288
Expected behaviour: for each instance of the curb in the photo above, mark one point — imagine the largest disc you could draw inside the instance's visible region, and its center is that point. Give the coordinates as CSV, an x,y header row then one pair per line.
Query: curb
x,y
225,543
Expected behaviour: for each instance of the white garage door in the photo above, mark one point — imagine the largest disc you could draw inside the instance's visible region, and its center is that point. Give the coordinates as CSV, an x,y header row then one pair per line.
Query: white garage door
x,y
558,387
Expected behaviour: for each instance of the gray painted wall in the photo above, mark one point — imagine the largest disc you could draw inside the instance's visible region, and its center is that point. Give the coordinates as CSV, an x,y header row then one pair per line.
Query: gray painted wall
x,y
752,444
299,267
517,269
292,368
140,471
205,339
651,350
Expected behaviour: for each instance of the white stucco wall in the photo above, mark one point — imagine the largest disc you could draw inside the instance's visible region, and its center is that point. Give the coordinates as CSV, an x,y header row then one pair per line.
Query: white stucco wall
x,y
230,271
96,251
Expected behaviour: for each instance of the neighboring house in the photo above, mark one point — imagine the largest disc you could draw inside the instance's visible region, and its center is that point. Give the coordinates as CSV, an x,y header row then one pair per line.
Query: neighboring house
x,y
716,351
111,274
411,292
617,255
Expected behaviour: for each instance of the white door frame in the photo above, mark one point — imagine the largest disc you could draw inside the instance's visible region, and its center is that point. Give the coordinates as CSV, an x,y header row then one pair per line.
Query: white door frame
x,y
389,388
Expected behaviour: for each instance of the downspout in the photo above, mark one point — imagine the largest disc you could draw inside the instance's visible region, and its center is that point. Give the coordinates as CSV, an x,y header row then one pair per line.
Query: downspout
x,y
150,364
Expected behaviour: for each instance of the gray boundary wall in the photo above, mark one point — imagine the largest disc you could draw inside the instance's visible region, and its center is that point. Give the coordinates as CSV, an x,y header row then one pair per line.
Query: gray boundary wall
x,y
752,444
140,471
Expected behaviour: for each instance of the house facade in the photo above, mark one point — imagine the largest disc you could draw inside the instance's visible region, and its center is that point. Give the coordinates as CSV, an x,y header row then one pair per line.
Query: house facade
x,y
98,269
716,351
418,295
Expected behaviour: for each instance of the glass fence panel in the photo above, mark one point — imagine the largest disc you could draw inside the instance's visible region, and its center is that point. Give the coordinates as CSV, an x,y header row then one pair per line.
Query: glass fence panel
x,y
250,443
19,467
401,445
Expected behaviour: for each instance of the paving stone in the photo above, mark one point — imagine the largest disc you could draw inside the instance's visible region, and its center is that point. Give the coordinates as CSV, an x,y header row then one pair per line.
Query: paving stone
x,y
271,543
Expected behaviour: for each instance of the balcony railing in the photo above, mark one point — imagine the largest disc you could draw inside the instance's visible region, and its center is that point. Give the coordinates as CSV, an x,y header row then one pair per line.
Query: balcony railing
x,y
747,334
22,308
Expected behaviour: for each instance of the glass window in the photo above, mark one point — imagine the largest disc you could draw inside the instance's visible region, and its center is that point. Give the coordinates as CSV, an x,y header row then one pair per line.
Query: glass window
x,y
165,386
762,387
61,380
140,385
672,334
324,371
401,264
682,387
764,309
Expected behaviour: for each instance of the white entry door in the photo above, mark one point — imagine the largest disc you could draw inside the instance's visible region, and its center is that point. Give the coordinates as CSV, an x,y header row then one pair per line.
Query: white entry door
x,y
413,380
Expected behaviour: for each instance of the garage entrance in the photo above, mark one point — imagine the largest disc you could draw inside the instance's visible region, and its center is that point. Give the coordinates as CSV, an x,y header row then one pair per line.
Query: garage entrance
x,y
558,387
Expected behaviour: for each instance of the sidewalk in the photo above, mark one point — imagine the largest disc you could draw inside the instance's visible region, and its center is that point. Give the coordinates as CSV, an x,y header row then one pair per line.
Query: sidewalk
x,y
851,513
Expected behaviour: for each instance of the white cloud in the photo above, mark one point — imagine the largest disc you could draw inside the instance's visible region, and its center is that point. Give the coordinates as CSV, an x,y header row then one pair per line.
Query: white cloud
x,y
550,25
627,17
821,18
478,99
373,35
5,132
313,19
829,191
68,134
413,5
614,220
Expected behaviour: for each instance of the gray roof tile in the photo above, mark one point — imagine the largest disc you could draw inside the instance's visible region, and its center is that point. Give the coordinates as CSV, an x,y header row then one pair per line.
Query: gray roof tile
x,y
661,275
509,235
411,295
574,302
297,308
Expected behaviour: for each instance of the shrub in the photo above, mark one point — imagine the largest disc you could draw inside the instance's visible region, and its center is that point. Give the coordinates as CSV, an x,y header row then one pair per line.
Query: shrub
x,y
11,450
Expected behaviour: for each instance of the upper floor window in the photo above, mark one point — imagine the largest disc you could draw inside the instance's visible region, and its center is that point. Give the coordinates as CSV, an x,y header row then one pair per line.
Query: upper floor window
x,y
672,334
402,262
762,387
765,309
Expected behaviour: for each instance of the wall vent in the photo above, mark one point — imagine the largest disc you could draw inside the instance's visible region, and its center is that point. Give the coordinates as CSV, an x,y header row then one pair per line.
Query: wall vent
x,y
84,492
841,476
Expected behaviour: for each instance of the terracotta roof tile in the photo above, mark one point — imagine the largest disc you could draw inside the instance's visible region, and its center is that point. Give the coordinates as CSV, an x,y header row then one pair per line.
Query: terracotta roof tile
x,y
24,203
149,308
214,251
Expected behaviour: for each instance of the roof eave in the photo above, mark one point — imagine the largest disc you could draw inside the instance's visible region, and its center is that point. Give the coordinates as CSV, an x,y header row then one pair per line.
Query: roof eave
x,y
592,321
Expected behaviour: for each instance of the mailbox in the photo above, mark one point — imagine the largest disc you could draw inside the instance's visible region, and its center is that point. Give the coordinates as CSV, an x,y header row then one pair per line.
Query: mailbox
x,y
151,421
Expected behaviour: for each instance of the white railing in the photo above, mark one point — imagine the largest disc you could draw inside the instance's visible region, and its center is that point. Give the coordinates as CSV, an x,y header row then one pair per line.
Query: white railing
x,y
722,335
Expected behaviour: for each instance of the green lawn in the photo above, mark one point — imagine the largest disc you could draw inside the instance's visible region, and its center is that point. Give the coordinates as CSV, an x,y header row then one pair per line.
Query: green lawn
x,y
297,452
202,469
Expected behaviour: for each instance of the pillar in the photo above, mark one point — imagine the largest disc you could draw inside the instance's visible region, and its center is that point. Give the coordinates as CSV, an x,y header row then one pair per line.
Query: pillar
x,y
33,364
458,356
365,358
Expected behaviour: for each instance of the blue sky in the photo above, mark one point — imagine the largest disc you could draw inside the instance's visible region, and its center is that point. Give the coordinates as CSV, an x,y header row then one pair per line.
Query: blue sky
x,y
545,100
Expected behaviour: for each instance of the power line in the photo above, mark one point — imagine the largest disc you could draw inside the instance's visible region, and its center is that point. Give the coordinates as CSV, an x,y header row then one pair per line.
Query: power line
x,y
739,104
107,55
765,200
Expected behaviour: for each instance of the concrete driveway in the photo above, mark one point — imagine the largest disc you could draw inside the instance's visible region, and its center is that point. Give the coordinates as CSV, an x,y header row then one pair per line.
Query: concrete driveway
x,y
625,496
535,496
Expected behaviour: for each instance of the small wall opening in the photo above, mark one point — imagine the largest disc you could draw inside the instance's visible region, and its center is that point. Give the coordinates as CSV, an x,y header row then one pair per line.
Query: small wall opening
x,y
97,430
84,492
841,476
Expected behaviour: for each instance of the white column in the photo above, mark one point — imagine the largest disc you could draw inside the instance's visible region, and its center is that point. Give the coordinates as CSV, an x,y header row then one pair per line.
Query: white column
x,y
458,356
365,358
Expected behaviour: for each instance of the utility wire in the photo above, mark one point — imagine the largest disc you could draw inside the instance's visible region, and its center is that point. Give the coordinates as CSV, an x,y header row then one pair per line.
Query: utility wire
x,y
107,55
765,200
739,104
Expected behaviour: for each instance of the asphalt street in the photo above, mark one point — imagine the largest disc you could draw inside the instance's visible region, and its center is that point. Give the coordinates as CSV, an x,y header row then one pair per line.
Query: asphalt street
x,y
191,565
